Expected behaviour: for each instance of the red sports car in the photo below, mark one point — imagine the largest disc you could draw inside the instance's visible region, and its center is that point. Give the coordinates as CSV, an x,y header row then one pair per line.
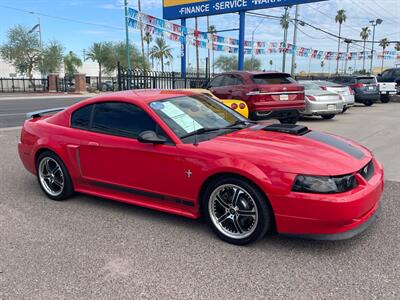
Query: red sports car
x,y
187,154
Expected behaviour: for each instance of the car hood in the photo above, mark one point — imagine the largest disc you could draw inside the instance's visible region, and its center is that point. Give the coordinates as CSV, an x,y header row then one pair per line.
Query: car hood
x,y
313,153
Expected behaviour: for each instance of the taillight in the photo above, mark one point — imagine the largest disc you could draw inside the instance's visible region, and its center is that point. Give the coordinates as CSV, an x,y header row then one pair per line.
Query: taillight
x,y
311,98
242,106
351,91
234,106
358,85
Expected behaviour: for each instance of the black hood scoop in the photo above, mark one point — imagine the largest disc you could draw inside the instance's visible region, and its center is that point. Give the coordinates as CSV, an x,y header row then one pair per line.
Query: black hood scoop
x,y
288,128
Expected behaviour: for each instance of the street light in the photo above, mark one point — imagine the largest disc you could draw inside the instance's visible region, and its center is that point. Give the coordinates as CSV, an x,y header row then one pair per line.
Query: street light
x,y
374,24
348,42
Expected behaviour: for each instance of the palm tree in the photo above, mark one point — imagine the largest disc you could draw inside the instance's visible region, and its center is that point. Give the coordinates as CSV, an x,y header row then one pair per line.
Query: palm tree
x,y
364,34
71,64
212,30
322,65
100,52
384,43
160,51
340,18
148,38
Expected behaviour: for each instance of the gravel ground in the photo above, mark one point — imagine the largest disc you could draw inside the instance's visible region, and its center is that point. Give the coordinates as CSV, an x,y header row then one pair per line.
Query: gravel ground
x,y
92,248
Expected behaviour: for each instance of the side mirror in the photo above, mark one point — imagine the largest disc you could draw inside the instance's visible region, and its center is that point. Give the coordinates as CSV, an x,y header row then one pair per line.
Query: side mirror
x,y
150,137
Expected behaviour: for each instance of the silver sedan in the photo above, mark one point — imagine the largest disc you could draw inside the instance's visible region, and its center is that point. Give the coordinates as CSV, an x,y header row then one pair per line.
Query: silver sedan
x,y
320,102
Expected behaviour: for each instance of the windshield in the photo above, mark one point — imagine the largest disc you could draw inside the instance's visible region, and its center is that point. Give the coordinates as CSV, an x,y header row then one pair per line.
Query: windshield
x,y
366,80
188,114
310,86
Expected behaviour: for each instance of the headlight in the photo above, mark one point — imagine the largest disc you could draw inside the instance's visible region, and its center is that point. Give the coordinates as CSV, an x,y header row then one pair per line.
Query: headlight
x,y
324,184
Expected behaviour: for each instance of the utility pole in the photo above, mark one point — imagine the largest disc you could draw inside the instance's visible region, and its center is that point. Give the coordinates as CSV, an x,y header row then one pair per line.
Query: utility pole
x,y
348,42
128,56
208,47
293,69
141,35
197,47
374,23
285,39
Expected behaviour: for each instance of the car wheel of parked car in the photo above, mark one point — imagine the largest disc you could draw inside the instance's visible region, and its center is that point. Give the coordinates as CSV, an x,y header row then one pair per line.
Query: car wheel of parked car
x,y
328,117
236,210
53,176
368,103
290,120
385,98
344,109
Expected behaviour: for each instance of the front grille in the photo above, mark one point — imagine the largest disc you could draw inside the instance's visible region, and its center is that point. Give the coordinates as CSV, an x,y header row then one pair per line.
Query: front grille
x,y
367,171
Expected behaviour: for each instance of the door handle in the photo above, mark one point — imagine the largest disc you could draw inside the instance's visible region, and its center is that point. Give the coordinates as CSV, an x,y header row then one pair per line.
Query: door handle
x,y
93,144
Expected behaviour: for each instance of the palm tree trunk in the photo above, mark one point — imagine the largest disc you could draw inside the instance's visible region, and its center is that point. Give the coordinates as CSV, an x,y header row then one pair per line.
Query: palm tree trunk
x,y
383,56
148,53
141,37
99,82
162,64
364,57
338,49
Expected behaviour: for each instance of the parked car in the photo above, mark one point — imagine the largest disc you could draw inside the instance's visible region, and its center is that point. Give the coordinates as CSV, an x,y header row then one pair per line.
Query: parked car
x,y
190,155
238,105
345,92
365,88
267,94
320,102
390,75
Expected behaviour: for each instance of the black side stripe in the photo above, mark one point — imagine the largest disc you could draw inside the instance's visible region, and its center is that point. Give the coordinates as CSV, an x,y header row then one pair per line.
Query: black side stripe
x,y
143,193
334,142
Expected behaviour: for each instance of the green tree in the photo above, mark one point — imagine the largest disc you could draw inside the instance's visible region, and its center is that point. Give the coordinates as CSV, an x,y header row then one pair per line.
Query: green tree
x,y
118,54
384,43
161,51
71,64
101,53
22,50
230,63
364,34
340,18
51,58
148,38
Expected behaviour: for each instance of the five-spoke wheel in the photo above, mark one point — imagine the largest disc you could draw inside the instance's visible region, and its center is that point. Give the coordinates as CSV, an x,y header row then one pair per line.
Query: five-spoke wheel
x,y
53,177
236,210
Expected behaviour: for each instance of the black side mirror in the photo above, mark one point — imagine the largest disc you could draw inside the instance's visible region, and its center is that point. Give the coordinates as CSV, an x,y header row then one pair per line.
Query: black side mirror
x,y
150,137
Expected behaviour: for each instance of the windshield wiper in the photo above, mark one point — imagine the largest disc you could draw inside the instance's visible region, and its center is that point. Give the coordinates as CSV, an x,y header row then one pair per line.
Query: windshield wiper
x,y
200,131
239,122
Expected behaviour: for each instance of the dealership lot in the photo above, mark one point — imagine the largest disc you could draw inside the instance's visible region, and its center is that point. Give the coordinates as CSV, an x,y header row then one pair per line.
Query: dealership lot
x,y
95,248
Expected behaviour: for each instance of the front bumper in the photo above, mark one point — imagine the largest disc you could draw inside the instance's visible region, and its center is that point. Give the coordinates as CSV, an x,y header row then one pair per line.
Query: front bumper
x,y
330,216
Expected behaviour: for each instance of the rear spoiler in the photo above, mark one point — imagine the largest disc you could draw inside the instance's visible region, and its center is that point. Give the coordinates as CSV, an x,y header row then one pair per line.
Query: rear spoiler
x,y
40,113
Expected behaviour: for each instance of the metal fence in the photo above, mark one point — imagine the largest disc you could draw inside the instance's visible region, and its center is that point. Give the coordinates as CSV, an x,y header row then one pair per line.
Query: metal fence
x,y
142,79
23,85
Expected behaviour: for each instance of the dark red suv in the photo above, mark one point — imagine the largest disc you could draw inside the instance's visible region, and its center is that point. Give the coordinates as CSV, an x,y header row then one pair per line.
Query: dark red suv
x,y
267,94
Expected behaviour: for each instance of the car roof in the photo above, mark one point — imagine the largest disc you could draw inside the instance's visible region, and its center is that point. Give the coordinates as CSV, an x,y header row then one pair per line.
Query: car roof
x,y
144,96
253,72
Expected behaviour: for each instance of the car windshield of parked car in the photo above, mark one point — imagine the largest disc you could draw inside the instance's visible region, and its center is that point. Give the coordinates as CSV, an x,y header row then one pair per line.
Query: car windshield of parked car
x,y
273,79
366,80
198,113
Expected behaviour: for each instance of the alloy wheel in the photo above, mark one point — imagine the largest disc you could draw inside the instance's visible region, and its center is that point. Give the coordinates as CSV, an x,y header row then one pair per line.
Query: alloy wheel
x,y
51,176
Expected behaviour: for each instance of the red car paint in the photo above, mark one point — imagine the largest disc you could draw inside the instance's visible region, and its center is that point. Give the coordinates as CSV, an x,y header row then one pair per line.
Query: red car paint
x,y
268,98
271,160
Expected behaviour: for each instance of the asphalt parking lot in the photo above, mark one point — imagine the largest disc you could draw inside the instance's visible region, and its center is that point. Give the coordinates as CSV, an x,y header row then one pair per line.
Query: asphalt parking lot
x,y
92,248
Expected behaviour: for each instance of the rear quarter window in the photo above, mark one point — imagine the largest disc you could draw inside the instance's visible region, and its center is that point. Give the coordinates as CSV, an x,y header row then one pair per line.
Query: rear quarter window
x,y
81,117
272,79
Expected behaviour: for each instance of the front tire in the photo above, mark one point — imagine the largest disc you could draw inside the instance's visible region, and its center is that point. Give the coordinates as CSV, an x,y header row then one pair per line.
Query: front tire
x,y
53,176
236,210
368,103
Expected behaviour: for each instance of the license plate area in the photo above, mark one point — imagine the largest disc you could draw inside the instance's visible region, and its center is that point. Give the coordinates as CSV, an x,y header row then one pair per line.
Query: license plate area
x,y
284,97
331,106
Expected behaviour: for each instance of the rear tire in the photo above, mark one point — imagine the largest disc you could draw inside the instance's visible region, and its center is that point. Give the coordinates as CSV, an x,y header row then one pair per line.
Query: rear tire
x,y
344,109
368,103
53,177
236,210
290,120
385,99
327,117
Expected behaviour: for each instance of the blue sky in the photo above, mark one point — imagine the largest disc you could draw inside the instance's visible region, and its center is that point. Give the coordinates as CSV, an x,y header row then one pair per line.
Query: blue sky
x,y
87,21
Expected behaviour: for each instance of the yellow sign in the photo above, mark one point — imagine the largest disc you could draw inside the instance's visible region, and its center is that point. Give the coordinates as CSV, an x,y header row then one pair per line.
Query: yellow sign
x,y
168,3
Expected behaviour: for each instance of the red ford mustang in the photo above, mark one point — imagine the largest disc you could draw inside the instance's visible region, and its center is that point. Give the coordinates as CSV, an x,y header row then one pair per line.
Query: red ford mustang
x,y
187,154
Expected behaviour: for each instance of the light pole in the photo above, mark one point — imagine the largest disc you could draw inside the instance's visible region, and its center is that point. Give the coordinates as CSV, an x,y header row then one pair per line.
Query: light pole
x,y
286,23
38,26
296,16
348,42
252,43
127,50
374,23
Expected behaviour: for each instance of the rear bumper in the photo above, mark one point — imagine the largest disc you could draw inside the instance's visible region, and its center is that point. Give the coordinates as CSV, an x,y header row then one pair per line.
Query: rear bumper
x,y
323,108
276,114
361,97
